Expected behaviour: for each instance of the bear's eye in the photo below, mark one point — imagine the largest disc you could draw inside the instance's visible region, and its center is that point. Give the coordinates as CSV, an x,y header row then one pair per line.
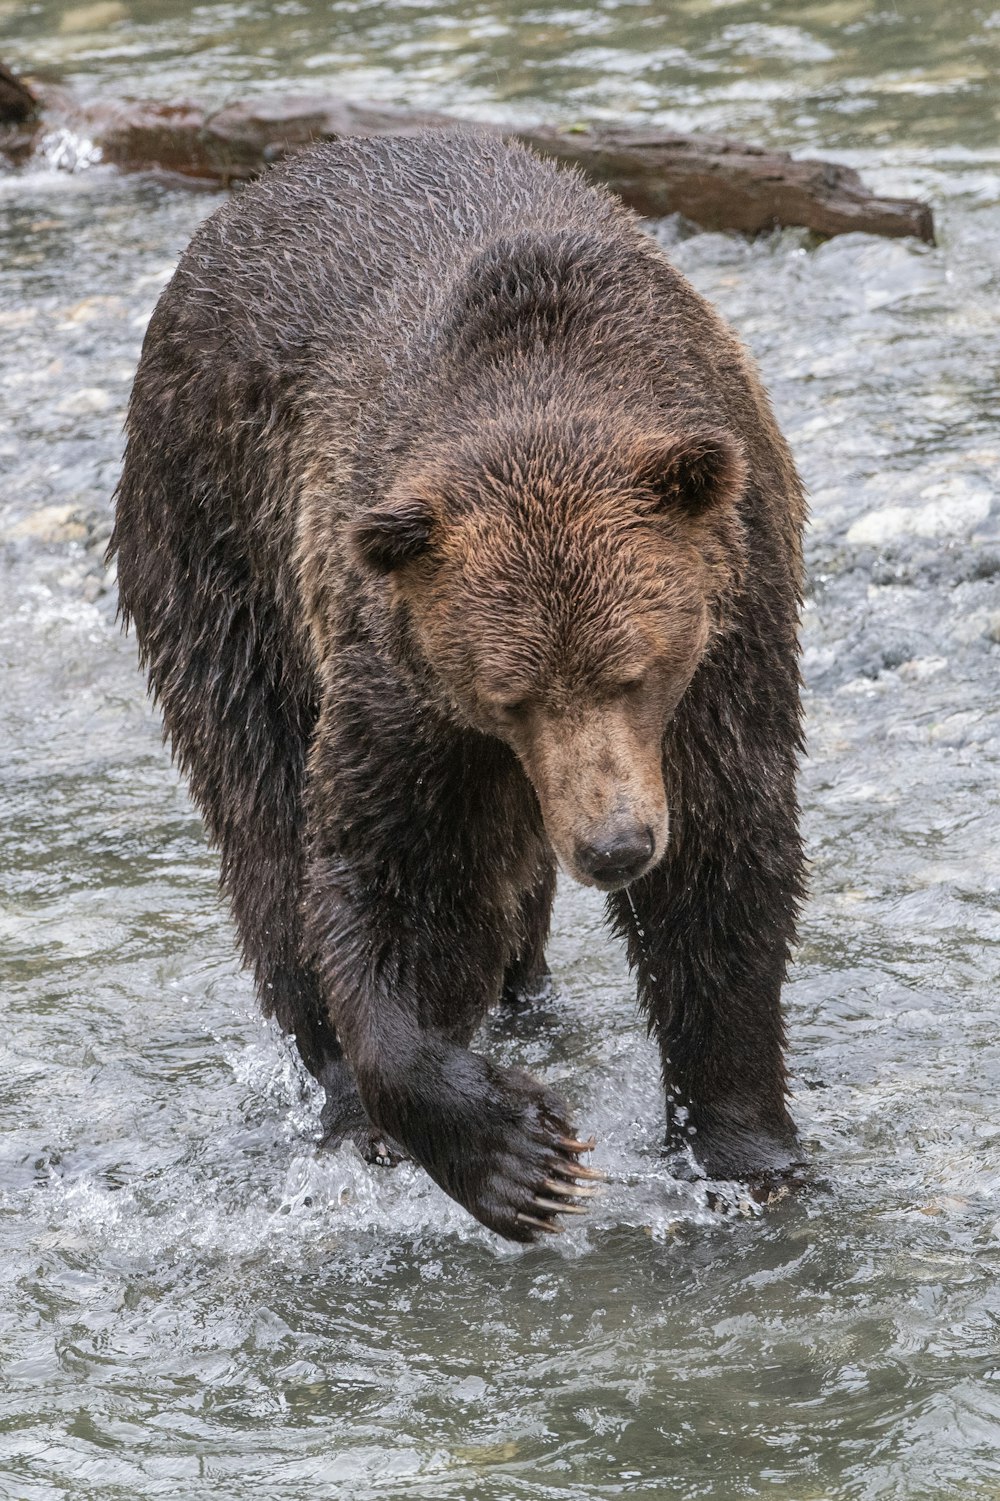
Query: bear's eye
x,y
629,687
514,709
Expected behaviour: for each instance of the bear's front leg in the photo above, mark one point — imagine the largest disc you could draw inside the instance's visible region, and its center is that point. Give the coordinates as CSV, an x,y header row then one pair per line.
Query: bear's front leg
x,y
709,932
710,953
411,918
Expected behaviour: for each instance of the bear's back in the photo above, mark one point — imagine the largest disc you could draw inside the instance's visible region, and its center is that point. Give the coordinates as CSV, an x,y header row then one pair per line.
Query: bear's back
x,y
352,241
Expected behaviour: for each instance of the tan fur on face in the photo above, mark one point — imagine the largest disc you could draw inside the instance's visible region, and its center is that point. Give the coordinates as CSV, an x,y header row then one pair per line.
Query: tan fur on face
x,y
593,771
564,609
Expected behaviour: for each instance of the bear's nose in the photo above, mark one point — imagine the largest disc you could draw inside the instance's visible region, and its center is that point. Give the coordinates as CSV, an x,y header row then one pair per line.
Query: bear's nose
x,y
619,857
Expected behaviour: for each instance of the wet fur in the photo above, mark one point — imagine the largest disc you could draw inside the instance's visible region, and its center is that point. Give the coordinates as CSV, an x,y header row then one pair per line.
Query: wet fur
x,y
438,327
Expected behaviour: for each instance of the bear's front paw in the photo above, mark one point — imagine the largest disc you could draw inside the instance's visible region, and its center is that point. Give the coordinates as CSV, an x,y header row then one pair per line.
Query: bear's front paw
x,y
533,1174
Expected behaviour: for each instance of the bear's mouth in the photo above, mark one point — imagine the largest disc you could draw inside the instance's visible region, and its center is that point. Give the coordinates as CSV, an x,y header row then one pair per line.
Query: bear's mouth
x,y
610,883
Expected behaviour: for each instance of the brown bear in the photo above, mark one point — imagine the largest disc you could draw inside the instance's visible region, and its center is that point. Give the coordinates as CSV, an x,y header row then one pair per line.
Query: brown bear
x,y
460,541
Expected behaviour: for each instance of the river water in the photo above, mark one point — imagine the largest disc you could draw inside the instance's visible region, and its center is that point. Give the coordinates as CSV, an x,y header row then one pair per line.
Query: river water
x,y
194,1301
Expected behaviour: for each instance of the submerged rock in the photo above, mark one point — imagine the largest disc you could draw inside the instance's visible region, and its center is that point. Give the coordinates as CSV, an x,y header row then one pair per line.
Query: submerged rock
x,y
67,523
953,508
85,402
95,17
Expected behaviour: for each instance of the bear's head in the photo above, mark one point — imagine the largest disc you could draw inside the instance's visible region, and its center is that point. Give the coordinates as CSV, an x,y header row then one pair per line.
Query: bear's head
x,y
563,578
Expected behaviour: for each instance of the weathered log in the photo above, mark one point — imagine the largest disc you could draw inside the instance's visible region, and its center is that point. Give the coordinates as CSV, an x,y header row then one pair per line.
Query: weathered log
x,y
726,184
236,143
716,182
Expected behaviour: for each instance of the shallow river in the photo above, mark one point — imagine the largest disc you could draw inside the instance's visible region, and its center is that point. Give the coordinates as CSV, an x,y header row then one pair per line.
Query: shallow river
x,y
193,1300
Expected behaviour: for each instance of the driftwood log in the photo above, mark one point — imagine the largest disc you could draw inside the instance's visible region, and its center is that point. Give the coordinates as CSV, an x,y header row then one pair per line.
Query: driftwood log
x,y
716,182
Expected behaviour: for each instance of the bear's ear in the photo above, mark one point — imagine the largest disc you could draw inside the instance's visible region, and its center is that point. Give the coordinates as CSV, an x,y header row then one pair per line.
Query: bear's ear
x,y
391,534
693,472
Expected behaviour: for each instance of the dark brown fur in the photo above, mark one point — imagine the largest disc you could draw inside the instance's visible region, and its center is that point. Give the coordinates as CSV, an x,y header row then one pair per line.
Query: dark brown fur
x,y
457,534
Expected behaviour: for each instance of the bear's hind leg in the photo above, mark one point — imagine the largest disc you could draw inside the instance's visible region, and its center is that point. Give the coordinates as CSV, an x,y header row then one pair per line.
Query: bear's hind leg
x,y
344,1118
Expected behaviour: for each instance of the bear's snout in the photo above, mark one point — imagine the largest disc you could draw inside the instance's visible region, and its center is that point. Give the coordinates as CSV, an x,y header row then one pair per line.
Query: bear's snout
x,y
599,780
618,855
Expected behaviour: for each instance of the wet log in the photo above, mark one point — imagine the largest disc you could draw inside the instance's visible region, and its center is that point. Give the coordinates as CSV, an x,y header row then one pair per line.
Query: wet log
x,y
715,182
726,184
236,143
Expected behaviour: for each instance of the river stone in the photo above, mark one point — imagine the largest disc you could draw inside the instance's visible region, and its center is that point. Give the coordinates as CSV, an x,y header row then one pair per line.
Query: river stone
x,y
981,625
17,317
919,669
92,308
65,523
85,402
951,509
91,17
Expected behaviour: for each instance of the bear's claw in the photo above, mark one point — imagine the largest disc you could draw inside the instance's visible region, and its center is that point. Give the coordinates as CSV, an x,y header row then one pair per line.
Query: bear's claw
x,y
374,1145
554,1208
382,1152
574,1191
558,1192
578,1146
549,1226
580,1170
